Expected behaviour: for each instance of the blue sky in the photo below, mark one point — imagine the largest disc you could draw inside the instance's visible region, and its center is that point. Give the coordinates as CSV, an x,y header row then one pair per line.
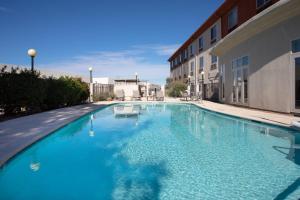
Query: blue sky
x,y
115,37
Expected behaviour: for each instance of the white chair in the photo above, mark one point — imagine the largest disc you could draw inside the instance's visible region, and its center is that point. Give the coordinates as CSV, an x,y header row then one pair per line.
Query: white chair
x,y
136,95
120,95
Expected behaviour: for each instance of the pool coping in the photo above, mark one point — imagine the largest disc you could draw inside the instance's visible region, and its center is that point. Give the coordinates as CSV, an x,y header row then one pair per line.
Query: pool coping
x,y
23,146
254,119
99,105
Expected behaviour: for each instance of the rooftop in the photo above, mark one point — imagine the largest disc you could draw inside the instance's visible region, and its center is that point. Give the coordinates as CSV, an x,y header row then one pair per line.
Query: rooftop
x,y
208,23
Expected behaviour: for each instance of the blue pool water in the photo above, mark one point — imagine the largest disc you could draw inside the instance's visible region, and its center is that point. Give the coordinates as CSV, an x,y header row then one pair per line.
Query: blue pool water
x,y
168,151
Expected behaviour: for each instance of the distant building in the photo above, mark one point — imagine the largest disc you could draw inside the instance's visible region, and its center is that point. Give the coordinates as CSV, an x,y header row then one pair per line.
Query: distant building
x,y
129,85
104,80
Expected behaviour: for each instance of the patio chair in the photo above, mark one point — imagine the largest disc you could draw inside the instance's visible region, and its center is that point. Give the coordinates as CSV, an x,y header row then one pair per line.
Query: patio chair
x,y
160,96
136,95
197,97
120,95
184,96
200,97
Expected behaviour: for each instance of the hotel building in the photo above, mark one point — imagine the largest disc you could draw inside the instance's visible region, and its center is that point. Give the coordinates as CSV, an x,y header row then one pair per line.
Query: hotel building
x,y
258,55
194,56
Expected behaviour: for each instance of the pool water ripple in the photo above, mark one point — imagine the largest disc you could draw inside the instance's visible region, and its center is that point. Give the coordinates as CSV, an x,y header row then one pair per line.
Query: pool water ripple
x,y
168,151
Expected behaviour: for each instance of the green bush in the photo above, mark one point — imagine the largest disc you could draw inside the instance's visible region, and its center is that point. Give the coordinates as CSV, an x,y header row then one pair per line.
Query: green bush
x,y
21,90
75,90
174,89
24,91
104,96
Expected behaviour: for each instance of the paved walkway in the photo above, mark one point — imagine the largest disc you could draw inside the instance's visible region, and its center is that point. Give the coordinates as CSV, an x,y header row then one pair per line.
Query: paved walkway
x,y
252,114
17,134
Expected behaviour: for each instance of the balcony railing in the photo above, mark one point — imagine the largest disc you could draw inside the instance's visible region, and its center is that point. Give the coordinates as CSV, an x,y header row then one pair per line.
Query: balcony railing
x,y
213,66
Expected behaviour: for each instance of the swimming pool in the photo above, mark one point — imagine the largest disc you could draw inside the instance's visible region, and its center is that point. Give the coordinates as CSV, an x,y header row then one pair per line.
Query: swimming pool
x,y
163,151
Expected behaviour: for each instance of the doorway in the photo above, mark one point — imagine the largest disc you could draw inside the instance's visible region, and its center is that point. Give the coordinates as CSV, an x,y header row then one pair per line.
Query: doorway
x,y
296,83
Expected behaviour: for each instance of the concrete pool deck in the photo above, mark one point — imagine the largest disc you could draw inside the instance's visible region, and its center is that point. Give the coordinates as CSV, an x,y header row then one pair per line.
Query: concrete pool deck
x,y
17,134
269,117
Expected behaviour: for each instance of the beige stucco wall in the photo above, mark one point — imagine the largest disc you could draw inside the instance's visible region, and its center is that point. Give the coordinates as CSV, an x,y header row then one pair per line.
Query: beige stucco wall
x,y
186,67
269,66
205,53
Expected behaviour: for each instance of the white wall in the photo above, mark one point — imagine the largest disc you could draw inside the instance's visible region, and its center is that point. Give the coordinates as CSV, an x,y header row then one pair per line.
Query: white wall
x,y
103,80
269,66
127,88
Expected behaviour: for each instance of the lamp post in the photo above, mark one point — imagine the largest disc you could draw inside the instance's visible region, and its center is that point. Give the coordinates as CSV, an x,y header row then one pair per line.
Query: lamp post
x,y
189,85
202,76
136,78
91,84
32,53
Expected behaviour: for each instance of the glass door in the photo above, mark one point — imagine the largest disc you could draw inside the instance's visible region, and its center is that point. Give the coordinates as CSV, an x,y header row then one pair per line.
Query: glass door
x,y
240,86
297,83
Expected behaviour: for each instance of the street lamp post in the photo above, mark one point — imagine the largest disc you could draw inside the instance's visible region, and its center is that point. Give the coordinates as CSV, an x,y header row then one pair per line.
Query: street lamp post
x,y
202,76
136,78
32,53
189,85
91,84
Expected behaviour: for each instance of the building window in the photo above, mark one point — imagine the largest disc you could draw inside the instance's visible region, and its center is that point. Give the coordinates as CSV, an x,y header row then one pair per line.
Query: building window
x,y
182,56
192,69
233,88
213,34
222,78
240,80
200,44
233,18
201,64
240,62
261,3
185,54
191,50
296,46
214,60
245,82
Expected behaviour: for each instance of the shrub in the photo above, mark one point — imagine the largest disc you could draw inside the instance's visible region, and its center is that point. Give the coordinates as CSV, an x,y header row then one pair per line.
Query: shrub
x,y
21,90
104,96
174,89
75,90
24,91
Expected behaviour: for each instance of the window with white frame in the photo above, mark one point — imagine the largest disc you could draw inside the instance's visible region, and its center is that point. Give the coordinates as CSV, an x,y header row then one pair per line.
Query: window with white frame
x,y
192,68
213,34
232,18
296,46
261,3
240,80
191,50
222,78
201,64
200,43
214,60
